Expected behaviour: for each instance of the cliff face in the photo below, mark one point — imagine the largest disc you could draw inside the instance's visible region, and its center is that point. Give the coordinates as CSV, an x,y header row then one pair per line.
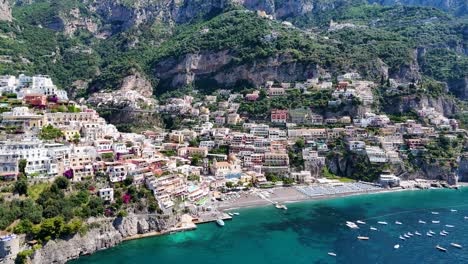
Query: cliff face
x,y
5,11
442,104
219,69
108,234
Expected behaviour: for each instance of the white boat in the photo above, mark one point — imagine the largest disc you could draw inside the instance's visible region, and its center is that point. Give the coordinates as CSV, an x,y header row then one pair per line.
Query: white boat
x,y
402,238
235,213
363,238
406,236
332,254
431,232
373,228
351,225
435,222
231,214
428,234
441,248
410,234
456,245
220,222
396,246
453,210
435,213
466,217
449,226
398,223
442,234
445,232
421,222
382,223
417,233
360,222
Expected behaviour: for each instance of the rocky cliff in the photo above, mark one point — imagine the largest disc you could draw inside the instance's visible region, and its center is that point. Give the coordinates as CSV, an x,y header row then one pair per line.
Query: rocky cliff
x,y
107,234
5,10
403,104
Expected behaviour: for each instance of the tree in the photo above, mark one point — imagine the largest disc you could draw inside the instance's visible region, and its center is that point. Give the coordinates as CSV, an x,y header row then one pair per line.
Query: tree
x,y
23,227
300,143
22,166
229,185
50,133
21,186
62,182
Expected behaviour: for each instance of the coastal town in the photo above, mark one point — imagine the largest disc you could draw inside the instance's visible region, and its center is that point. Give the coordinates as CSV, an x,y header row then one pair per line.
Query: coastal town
x,y
218,156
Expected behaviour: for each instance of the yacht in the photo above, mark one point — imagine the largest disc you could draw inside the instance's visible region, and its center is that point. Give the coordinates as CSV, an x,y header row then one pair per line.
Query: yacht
x,y
402,238
417,233
456,245
406,236
441,248
435,213
398,223
220,222
428,234
435,222
421,222
231,214
442,234
449,226
360,222
431,232
410,234
363,238
445,232
396,246
332,254
373,228
351,225
382,223
235,213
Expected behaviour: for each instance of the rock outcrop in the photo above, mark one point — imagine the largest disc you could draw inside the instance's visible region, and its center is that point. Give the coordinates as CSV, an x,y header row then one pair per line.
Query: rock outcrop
x,y
5,11
107,234
399,105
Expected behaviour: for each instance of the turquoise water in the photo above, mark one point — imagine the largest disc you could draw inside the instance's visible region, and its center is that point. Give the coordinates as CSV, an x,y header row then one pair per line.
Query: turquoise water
x,y
307,231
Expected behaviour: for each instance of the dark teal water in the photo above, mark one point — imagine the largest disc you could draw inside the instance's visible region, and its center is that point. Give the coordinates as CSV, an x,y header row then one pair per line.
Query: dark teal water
x,y
308,230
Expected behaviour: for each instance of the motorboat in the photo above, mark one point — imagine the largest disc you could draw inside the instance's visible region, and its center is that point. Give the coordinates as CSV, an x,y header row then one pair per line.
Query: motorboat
x,y
410,234
332,254
373,228
406,236
421,222
236,213
456,245
441,248
231,214
220,222
417,233
442,234
453,210
398,223
402,238
435,222
351,225
363,238
382,223
435,213
396,246
428,234
431,232
449,226
360,222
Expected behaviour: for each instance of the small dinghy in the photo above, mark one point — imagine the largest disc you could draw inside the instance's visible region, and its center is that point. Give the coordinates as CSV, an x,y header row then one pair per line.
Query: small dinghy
x,y
396,246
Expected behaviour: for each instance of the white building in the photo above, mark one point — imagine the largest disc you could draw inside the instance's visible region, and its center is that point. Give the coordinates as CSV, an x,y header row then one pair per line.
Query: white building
x,y
106,194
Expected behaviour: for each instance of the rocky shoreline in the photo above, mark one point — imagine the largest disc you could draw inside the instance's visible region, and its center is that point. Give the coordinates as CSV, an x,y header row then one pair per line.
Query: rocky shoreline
x,y
103,234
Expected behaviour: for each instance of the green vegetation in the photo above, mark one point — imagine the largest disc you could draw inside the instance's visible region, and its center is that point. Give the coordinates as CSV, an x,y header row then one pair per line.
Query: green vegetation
x,y
50,133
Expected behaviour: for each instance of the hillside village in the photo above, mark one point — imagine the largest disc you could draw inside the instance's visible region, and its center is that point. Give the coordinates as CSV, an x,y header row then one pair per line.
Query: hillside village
x,y
217,150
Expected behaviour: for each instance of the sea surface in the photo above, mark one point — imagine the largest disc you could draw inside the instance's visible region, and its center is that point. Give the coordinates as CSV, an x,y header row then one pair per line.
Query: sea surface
x,y
307,231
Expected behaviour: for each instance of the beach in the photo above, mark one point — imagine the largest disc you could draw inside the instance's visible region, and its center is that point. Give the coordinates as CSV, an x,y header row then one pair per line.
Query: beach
x,y
284,195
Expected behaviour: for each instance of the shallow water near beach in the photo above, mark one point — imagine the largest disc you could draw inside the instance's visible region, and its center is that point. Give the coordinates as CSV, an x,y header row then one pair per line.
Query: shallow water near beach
x,y
307,231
